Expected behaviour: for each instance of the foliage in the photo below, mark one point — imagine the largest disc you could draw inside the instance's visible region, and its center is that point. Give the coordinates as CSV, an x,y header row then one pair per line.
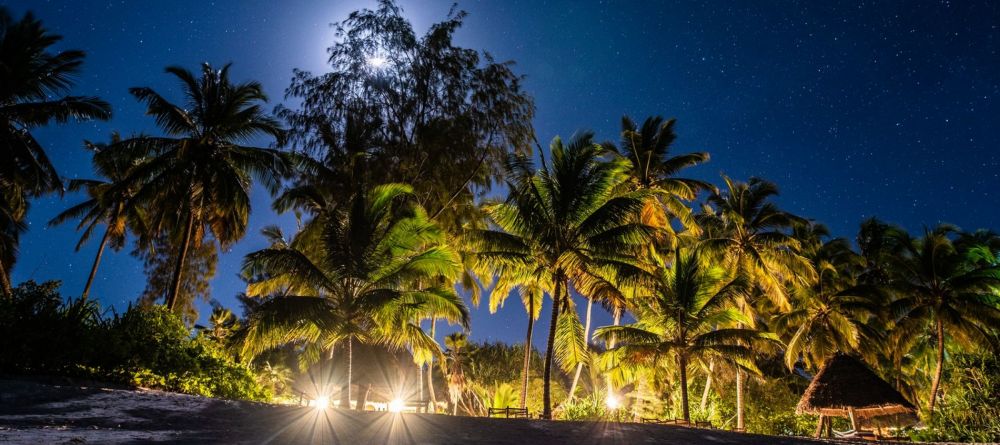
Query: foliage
x,y
567,223
145,346
42,334
196,179
395,107
159,258
107,203
366,271
969,411
584,408
33,83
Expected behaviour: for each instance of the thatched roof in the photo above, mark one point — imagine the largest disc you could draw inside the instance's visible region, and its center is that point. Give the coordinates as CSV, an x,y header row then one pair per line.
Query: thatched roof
x,y
847,383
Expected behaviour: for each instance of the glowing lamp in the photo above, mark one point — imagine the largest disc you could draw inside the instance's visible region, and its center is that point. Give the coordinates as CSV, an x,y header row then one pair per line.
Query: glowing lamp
x,y
321,402
613,402
396,406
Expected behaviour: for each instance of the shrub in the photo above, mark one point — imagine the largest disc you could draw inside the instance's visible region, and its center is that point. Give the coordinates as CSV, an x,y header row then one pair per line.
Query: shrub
x,y
969,410
146,346
585,408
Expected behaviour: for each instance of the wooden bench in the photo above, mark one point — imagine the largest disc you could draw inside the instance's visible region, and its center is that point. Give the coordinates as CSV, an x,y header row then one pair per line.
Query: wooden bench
x,y
680,422
509,413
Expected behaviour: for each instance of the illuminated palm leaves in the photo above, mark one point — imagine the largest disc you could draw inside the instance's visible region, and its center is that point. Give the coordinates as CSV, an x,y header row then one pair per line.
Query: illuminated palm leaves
x,y
367,270
680,314
833,313
567,223
646,149
948,289
747,234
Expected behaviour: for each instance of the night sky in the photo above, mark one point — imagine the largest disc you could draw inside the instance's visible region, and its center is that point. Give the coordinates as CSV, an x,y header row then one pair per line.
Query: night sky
x,y
887,109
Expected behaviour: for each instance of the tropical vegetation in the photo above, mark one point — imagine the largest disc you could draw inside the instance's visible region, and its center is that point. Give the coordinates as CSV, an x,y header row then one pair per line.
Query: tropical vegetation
x,y
418,191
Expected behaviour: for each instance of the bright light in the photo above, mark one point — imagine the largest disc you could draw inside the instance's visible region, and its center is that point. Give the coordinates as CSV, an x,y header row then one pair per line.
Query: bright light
x,y
396,406
321,402
377,61
613,402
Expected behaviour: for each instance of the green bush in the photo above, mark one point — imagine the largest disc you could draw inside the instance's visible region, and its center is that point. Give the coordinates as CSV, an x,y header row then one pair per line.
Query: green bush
x,y
145,347
40,334
969,410
585,408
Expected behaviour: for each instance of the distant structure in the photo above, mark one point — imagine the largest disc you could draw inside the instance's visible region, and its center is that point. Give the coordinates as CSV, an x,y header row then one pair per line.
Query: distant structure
x,y
846,387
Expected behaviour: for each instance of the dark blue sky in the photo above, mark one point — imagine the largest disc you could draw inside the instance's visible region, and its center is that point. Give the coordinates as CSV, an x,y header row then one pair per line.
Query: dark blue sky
x,y
886,109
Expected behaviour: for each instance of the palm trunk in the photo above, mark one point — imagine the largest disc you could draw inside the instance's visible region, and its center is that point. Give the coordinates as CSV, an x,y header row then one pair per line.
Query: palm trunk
x,y
526,372
611,344
430,373
345,391
547,373
708,385
363,397
179,268
97,261
586,339
740,418
682,364
940,367
739,400
5,281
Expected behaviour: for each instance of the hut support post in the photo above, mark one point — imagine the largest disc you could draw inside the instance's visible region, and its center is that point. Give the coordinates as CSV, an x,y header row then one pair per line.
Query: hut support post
x,y
819,426
854,423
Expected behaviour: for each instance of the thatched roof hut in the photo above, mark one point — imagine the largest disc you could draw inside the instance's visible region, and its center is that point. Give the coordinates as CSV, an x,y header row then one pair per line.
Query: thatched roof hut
x,y
846,387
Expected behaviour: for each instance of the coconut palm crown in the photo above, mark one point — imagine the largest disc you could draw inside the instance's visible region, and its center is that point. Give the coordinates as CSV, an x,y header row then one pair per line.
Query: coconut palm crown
x,y
568,221
33,84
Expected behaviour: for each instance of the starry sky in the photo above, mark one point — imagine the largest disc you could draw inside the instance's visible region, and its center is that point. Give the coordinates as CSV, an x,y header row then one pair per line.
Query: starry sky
x,y
854,109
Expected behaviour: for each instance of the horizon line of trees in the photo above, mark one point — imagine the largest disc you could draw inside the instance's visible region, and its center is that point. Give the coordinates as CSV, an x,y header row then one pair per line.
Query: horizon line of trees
x,y
387,168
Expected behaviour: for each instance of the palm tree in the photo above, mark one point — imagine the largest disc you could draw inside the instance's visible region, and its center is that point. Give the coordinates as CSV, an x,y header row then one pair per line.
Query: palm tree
x,y
221,324
567,221
653,168
456,343
947,290
198,177
678,318
351,275
108,204
33,81
748,234
529,285
832,313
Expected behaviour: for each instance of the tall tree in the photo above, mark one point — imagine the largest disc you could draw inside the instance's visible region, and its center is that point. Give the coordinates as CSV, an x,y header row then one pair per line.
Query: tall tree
x,y
198,177
832,313
351,275
653,167
567,221
431,114
749,234
678,319
456,343
33,83
947,290
530,285
108,204
159,258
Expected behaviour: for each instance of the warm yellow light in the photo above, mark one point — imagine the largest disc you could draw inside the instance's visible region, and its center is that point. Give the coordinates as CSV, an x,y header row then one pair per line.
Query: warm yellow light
x,y
321,402
613,402
396,406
